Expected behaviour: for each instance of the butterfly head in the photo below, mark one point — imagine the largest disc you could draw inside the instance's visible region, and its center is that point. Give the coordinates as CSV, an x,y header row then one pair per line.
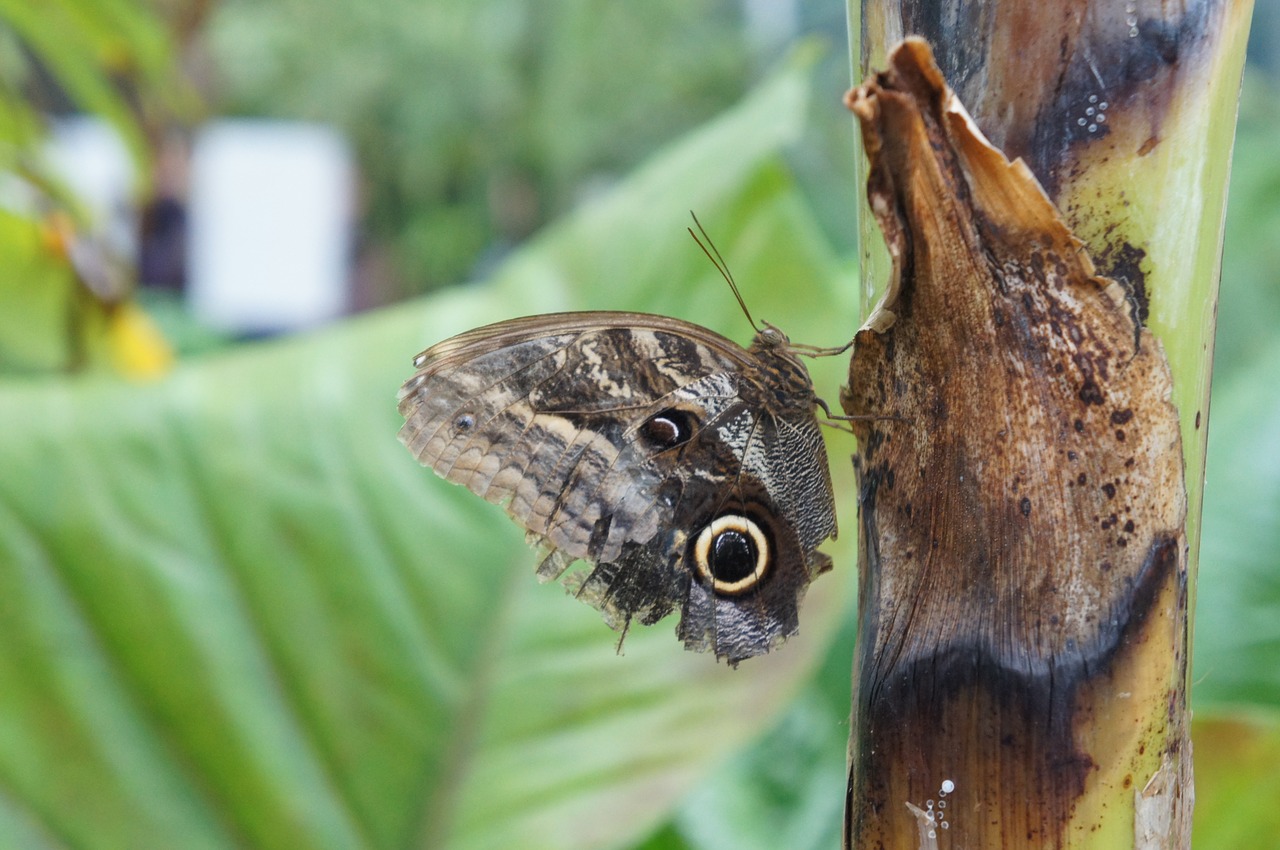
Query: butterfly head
x,y
770,337
781,358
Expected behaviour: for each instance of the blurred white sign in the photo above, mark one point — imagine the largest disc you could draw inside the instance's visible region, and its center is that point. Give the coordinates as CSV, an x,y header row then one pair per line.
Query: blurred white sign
x,y
271,207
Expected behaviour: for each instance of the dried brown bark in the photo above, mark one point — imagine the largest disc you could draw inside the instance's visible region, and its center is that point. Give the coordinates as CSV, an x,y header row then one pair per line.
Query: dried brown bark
x,y
1023,546
999,662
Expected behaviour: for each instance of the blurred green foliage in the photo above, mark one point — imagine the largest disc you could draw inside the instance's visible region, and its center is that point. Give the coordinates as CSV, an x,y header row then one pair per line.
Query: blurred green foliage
x,y
478,121
65,288
112,58
1250,295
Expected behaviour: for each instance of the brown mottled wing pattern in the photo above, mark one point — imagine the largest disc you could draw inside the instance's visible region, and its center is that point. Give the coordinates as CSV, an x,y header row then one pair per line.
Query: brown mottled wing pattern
x,y
552,417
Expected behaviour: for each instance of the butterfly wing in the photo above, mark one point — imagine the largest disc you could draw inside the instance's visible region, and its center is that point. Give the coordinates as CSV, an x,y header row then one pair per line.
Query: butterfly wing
x,y
619,439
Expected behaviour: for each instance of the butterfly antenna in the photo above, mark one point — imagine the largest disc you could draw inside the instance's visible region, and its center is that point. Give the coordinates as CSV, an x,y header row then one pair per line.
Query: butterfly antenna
x,y
713,254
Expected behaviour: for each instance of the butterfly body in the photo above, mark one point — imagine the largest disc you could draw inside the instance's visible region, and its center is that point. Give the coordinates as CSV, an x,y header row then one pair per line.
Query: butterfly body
x,y
689,472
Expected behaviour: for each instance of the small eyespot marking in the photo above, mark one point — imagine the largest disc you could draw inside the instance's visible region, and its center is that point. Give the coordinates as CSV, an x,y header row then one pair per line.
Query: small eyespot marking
x,y
668,428
464,422
733,554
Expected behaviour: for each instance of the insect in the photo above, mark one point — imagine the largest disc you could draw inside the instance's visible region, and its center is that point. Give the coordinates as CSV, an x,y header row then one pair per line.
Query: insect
x,y
688,472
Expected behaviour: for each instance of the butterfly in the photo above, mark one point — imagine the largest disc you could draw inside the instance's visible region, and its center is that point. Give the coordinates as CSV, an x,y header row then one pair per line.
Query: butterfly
x,y
688,472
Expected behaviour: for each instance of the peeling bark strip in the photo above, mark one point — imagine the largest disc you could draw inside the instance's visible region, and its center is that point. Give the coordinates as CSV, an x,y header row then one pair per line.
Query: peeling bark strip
x,y
1094,83
1085,71
1023,553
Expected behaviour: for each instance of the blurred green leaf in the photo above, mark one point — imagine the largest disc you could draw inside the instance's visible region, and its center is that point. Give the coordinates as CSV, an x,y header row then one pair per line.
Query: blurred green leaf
x,y
88,45
38,293
1249,299
64,280
787,791
1237,649
1237,783
237,613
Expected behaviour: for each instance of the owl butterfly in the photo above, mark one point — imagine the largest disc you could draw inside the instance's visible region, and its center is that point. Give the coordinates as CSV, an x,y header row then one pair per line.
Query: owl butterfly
x,y
687,471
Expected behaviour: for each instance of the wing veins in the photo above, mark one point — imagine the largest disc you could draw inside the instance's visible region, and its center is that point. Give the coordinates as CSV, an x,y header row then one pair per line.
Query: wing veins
x,y
707,426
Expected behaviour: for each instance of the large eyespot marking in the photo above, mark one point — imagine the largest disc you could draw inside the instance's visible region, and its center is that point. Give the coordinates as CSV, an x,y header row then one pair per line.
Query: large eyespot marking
x,y
668,428
732,553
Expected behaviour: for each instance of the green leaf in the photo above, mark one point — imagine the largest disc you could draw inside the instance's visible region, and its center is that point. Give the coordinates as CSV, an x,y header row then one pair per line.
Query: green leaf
x,y
1237,783
788,788
89,45
236,613
37,330
1237,651
1249,297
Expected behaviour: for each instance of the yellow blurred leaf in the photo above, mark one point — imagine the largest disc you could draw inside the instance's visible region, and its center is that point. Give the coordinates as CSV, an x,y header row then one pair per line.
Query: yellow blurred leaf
x,y
138,348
